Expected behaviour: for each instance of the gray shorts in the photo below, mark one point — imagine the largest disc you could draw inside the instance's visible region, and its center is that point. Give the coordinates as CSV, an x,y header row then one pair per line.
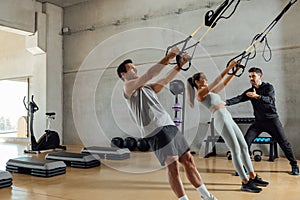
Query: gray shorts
x,y
168,141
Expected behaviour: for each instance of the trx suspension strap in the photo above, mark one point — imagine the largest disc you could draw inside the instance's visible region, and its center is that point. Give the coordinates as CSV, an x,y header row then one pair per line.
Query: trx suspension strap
x,y
243,58
211,19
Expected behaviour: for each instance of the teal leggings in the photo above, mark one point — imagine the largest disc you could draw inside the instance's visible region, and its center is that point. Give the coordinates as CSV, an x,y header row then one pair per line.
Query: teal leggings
x,y
235,141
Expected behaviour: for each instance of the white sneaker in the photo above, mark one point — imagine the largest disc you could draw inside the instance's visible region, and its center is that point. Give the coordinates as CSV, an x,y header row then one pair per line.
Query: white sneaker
x,y
211,197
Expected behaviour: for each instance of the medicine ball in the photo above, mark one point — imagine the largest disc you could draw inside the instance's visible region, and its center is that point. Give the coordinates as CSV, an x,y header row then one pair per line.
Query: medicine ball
x,y
143,145
257,155
117,142
130,143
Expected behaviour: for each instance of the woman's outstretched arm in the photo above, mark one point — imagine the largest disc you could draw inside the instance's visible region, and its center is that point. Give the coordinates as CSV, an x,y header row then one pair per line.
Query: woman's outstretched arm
x,y
219,84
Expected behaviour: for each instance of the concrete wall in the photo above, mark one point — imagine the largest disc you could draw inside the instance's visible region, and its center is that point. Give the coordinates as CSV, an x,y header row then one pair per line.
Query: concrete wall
x,y
89,71
17,62
10,12
54,63
103,33
37,55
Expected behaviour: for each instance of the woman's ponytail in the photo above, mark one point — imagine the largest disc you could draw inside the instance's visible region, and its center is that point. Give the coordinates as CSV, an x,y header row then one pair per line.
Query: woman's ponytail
x,y
191,91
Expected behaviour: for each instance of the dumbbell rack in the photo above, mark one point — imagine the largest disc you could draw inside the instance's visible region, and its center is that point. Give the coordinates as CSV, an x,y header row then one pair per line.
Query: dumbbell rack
x,y
177,88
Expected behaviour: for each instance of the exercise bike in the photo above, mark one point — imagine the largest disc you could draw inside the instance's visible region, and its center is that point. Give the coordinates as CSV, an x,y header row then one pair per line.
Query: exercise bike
x,y
49,140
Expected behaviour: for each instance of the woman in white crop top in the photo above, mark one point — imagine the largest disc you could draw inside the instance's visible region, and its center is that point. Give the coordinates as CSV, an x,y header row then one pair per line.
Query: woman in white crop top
x,y
224,124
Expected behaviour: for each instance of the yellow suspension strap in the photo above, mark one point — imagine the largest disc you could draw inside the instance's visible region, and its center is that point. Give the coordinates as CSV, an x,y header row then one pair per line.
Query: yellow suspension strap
x,y
211,19
250,52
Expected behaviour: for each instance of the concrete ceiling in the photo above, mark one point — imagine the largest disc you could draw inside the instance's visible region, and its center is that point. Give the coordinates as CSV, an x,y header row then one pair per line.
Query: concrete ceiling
x,y
63,3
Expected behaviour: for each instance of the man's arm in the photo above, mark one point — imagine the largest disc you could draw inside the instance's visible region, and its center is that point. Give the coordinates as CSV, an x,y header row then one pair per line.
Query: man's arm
x,y
159,85
267,97
132,85
238,99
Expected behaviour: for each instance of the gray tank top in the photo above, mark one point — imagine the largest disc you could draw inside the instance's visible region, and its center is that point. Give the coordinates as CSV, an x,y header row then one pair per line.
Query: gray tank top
x,y
211,100
148,111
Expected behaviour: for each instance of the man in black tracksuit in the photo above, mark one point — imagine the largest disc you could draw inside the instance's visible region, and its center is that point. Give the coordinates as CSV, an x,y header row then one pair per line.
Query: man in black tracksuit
x,y
262,97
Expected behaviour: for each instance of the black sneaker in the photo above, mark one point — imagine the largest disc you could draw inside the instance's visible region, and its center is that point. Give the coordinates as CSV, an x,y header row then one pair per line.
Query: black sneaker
x,y
295,170
259,182
250,187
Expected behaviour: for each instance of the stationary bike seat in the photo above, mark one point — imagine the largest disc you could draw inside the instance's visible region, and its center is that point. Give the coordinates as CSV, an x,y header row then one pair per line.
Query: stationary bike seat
x,y
50,114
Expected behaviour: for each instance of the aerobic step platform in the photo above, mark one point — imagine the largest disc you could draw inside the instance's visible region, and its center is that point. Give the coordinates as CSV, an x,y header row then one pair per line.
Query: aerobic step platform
x,y
79,160
108,153
5,179
36,166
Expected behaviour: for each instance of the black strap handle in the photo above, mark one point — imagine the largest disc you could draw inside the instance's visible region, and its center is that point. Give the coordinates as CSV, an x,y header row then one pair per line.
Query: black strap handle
x,y
274,22
239,59
212,17
178,58
261,37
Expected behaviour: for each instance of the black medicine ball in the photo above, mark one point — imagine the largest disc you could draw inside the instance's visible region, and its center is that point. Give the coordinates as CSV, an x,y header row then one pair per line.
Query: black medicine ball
x,y
117,142
130,143
143,145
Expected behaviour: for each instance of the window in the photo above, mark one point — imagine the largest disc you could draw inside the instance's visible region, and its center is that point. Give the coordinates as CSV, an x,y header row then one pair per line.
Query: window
x,y
13,113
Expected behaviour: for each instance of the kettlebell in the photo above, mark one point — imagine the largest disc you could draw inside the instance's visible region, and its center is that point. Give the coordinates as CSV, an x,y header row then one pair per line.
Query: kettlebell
x,y
257,155
228,155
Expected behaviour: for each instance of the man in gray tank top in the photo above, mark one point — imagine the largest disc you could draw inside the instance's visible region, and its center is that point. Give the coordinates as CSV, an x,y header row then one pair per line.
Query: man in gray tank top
x,y
165,139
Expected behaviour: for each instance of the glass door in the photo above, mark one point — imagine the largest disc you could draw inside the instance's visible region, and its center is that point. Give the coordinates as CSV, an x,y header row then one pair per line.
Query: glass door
x,y
13,114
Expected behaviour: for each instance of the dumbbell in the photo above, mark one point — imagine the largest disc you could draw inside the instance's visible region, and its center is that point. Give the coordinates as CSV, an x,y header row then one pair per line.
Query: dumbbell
x,y
268,140
177,121
257,155
177,107
258,140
